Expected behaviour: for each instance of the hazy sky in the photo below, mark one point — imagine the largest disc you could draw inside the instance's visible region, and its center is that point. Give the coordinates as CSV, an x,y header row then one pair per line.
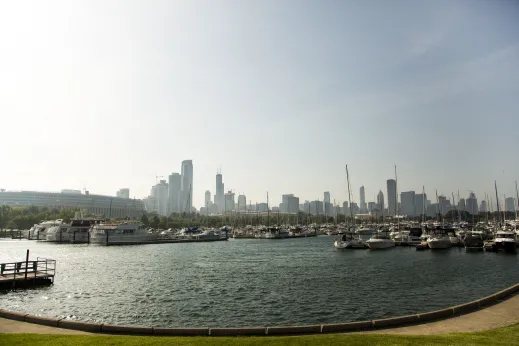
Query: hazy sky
x,y
280,94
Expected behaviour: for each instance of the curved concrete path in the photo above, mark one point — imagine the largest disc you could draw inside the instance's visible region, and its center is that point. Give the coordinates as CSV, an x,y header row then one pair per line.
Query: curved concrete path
x,y
499,315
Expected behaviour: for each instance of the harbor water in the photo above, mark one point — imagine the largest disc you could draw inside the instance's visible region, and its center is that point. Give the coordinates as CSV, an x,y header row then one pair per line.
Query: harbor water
x,y
250,282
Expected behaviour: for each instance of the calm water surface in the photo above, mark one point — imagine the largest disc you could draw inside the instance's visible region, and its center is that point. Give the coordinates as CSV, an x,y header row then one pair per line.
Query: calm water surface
x,y
252,282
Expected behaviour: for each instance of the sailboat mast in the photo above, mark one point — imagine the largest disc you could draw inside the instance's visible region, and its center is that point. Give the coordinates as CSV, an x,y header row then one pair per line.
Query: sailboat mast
x,y
497,200
439,207
268,211
396,202
455,206
423,205
349,191
516,201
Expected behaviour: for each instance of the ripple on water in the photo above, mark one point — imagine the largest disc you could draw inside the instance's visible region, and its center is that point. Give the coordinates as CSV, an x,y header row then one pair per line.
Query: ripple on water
x,y
252,283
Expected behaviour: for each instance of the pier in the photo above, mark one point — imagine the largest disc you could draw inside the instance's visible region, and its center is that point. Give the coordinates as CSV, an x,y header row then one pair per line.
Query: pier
x,y
27,273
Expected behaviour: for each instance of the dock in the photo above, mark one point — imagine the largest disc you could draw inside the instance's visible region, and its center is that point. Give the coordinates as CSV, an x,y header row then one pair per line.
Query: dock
x,y
27,273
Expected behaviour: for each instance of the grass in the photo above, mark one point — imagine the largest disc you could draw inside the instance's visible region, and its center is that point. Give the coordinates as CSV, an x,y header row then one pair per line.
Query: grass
x,y
502,336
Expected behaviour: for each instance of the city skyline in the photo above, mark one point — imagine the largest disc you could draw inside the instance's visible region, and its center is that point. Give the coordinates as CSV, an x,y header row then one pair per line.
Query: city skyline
x,y
243,87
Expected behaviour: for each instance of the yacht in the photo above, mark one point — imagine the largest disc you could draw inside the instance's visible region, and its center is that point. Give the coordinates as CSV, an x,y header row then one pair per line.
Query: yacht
x,y
380,240
40,230
58,233
414,236
473,242
349,240
127,233
505,241
439,240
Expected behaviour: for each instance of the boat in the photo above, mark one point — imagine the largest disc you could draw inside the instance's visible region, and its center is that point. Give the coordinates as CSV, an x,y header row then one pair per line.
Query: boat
x,y
126,233
505,241
439,240
473,242
40,230
349,240
414,237
380,240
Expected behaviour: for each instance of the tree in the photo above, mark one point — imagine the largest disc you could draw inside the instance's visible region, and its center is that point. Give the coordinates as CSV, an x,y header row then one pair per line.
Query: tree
x,y
155,222
144,220
4,215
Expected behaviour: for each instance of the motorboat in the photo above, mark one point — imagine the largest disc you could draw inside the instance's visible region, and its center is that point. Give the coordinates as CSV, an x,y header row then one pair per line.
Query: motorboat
x,y
40,230
126,233
505,241
473,242
414,236
380,240
439,239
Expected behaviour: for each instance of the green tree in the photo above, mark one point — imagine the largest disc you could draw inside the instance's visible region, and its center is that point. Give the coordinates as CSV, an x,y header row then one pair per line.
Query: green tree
x,y
4,215
155,221
144,220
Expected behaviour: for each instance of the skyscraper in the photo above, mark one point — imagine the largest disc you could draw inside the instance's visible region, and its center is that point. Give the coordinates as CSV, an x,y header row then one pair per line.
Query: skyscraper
x,y
461,204
327,206
407,200
175,182
483,206
229,201
391,197
510,204
472,204
420,203
380,201
161,191
219,197
207,201
187,185
242,203
363,207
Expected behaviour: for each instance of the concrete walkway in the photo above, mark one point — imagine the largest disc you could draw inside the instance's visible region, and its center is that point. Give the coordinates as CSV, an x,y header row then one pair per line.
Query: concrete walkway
x,y
499,315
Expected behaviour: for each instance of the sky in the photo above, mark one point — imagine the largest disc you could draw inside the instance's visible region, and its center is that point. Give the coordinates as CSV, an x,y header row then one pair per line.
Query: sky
x,y
278,94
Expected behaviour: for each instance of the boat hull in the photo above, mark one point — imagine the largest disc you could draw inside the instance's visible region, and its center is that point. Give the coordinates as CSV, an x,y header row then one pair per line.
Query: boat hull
x,y
377,244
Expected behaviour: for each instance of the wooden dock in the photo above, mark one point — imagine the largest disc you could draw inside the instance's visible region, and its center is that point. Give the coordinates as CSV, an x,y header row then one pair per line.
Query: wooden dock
x,y
27,273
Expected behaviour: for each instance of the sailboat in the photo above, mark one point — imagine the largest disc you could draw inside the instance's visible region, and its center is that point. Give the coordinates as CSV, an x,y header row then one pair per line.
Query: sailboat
x,y
349,240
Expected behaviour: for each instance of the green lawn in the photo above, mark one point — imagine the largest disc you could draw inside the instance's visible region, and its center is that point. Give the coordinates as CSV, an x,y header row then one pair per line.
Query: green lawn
x,y
503,336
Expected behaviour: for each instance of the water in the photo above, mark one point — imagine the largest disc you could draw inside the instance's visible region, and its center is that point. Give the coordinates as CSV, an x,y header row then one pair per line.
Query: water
x,y
252,282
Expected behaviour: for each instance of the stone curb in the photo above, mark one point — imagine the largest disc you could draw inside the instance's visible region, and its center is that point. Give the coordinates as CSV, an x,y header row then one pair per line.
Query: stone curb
x,y
394,322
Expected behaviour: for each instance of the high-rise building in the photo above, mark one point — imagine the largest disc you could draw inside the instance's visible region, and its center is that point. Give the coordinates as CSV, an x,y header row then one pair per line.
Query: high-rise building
x,y
461,205
380,201
161,193
242,203
122,193
510,204
483,206
346,209
207,199
372,206
327,196
363,206
316,208
229,201
472,204
420,204
289,204
444,204
391,197
407,200
187,184
219,197
175,182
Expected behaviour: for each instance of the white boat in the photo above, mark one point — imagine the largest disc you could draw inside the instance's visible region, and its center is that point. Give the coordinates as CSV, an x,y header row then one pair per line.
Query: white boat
x,y
40,230
439,241
350,241
128,233
506,241
380,240
58,233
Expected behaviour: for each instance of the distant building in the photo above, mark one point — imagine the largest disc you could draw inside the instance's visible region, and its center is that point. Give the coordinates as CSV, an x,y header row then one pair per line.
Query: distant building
x,y
122,193
219,198
262,207
161,192
380,201
229,201
327,196
363,206
444,204
346,209
420,204
372,206
290,204
461,205
207,198
408,203
316,208
242,203
187,184
108,206
510,204
483,206
174,193
432,210
355,208
75,192
472,204
391,197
